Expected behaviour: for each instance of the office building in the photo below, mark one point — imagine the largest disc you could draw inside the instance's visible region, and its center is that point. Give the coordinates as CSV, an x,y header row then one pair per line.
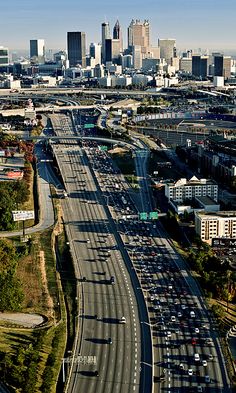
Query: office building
x,y
105,36
95,51
117,35
37,50
137,57
76,46
112,51
167,49
139,35
4,56
184,189
200,66
222,66
186,65
108,51
221,224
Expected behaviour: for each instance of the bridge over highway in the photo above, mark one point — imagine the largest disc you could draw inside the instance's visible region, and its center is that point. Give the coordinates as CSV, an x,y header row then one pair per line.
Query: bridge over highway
x,y
112,141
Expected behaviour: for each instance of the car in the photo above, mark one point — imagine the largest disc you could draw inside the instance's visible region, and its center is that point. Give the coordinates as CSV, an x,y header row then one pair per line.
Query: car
x,y
190,371
209,356
207,379
179,314
122,320
196,357
172,318
109,340
193,341
96,373
199,389
112,280
181,366
204,363
84,279
196,330
168,333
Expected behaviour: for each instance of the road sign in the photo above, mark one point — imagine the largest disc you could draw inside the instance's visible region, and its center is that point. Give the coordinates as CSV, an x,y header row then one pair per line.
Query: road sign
x,y
22,215
89,125
153,215
143,216
102,148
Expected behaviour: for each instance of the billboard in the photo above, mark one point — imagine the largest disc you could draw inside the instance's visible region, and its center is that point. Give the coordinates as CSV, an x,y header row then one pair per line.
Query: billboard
x,y
15,174
19,215
224,242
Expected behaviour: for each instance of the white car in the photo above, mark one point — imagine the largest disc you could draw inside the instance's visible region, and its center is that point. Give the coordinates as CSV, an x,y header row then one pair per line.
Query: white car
x,y
190,371
196,330
196,357
204,363
123,320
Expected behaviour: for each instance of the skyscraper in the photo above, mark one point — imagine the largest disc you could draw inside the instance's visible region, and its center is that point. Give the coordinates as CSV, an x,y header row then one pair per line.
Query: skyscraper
x,y
139,34
37,49
117,34
167,49
4,56
200,66
105,36
95,52
222,66
76,46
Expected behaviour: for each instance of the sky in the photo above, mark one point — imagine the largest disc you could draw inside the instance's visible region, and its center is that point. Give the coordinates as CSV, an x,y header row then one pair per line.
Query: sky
x,y
193,23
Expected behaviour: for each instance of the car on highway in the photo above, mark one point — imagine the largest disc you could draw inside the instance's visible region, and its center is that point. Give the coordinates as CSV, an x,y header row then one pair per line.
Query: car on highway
x,y
122,320
196,357
109,340
112,280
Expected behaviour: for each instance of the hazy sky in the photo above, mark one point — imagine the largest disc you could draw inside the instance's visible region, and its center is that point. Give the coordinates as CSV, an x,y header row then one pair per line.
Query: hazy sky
x,y
194,23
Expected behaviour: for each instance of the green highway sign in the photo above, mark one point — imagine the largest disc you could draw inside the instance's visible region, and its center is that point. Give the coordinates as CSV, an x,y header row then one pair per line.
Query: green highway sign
x,y
143,216
102,148
89,125
153,215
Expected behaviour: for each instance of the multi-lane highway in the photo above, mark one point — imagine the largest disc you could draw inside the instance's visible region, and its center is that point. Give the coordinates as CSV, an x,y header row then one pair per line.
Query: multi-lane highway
x,y
183,351
98,254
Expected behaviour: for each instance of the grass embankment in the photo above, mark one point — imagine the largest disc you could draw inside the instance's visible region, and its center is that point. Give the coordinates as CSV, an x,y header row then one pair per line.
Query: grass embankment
x,y
30,359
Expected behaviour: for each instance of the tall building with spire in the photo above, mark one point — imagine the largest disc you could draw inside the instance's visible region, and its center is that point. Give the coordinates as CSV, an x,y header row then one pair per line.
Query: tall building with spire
x,y
105,36
117,34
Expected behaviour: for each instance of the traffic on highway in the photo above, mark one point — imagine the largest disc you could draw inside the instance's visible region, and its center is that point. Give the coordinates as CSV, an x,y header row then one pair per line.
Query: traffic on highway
x,y
141,314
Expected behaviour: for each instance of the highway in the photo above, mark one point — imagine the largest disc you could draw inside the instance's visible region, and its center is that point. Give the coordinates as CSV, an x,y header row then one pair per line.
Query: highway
x,y
97,250
172,295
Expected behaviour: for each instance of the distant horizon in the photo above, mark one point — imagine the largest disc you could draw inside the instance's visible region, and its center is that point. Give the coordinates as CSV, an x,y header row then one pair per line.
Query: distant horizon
x,y
194,24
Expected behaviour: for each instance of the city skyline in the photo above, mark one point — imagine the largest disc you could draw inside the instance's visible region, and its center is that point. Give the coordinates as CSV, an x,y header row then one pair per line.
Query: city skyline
x,y
205,24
